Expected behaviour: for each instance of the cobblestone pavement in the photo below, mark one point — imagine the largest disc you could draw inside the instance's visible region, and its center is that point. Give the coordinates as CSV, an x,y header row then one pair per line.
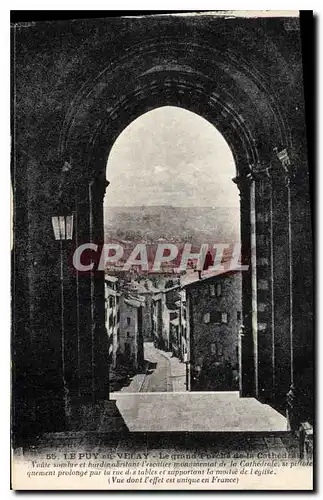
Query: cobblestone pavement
x,y
164,373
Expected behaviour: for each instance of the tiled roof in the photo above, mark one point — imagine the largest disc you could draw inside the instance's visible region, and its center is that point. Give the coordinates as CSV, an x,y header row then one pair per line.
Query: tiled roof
x,y
113,279
193,278
133,302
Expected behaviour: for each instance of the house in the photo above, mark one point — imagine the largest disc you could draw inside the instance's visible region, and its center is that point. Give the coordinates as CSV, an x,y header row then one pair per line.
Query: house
x,y
164,312
124,323
174,334
145,288
157,319
112,316
169,333
183,341
131,346
213,311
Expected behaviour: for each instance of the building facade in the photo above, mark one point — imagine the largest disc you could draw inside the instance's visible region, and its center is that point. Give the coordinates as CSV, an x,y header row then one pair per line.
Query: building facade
x,y
157,318
165,319
213,308
144,288
183,326
131,346
112,314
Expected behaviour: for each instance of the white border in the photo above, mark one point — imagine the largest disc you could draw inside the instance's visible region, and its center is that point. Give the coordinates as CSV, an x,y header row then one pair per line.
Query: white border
x,y
172,5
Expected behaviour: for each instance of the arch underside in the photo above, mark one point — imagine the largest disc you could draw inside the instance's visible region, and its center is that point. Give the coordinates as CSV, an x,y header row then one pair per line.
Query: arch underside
x,y
224,91
227,93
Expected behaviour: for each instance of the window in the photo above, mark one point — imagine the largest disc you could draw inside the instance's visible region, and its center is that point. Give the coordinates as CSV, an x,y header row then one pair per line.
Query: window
x,y
118,316
263,285
224,317
212,290
128,320
206,318
215,317
238,315
128,335
217,351
263,240
218,289
261,187
262,217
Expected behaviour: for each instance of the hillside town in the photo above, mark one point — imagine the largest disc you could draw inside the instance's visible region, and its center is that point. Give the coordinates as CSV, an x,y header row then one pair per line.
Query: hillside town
x,y
164,326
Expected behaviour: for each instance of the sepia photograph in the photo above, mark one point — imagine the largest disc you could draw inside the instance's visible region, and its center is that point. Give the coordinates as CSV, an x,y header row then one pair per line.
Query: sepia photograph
x,y
162,296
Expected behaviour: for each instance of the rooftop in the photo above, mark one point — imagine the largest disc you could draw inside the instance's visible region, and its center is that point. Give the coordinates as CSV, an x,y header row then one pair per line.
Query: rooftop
x,y
113,279
133,302
192,278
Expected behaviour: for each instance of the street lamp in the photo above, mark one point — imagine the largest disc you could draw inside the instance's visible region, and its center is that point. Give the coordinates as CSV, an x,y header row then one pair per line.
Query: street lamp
x,y
63,230
63,227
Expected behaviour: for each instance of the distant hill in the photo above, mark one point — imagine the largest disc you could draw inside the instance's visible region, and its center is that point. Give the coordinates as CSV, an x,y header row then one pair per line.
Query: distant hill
x,y
153,224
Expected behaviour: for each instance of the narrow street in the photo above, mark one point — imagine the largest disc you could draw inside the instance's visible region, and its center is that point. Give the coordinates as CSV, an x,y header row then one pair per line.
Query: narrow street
x,y
158,375
157,400
163,373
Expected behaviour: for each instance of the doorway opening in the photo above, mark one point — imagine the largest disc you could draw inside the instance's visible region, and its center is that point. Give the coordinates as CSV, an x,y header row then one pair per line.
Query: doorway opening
x,y
172,225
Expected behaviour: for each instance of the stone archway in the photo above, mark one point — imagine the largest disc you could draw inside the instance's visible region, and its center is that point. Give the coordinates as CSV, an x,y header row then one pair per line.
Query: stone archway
x,y
106,82
96,128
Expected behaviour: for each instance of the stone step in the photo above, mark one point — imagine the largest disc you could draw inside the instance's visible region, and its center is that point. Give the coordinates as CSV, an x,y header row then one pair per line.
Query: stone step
x,y
260,445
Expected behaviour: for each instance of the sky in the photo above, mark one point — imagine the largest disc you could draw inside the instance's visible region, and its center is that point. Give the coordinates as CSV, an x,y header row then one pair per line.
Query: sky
x,y
171,156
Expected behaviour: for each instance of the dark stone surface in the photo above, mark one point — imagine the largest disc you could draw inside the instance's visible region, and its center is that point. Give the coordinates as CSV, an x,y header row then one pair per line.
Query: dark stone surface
x,y
75,86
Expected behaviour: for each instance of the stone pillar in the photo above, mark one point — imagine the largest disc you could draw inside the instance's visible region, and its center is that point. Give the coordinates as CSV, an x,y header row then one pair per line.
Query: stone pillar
x,y
263,306
190,341
246,341
38,397
280,285
91,404
91,339
300,291
257,337
67,302
84,296
37,402
99,334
